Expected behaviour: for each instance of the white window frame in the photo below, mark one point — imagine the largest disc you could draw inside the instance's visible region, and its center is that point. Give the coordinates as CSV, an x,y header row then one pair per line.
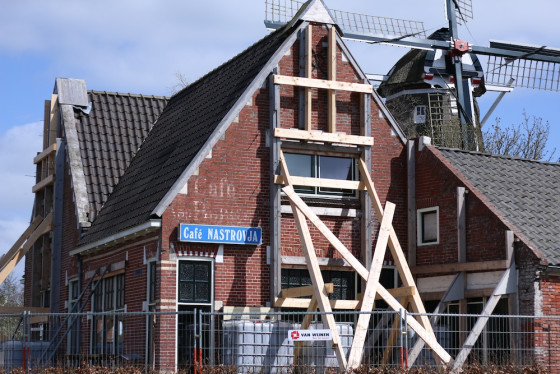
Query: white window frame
x,y
419,225
316,174
420,117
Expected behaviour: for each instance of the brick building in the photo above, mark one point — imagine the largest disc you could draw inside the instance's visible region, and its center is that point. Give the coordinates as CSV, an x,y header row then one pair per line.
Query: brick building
x,y
176,204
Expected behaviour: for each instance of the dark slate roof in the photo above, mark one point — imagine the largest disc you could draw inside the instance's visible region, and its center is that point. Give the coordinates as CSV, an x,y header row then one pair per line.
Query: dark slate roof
x,y
526,192
109,136
182,129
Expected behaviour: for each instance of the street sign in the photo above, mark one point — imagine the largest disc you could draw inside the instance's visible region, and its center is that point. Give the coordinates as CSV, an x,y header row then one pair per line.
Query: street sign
x,y
220,234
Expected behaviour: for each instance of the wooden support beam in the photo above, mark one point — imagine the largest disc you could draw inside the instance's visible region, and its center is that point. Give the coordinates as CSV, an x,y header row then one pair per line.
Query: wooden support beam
x,y
308,73
395,331
323,84
322,137
357,349
491,303
315,273
459,267
13,250
400,261
53,120
11,259
305,325
411,198
47,152
455,288
461,226
423,333
297,303
332,77
321,182
304,291
334,241
48,181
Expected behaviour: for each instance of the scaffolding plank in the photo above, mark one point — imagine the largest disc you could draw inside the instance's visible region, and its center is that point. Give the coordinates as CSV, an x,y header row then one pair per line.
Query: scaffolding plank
x,y
323,137
321,182
323,84
304,291
11,259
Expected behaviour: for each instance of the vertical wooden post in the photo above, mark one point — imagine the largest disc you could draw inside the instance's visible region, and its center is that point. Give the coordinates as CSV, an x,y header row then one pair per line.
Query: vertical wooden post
x,y
462,256
332,77
355,357
400,259
309,74
411,196
513,301
393,335
275,215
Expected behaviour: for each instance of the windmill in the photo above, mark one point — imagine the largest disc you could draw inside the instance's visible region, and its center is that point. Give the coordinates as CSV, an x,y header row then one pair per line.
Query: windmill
x,y
448,62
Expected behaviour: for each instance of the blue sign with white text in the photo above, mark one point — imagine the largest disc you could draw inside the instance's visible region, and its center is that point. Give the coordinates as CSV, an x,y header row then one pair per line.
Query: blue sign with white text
x,y
220,234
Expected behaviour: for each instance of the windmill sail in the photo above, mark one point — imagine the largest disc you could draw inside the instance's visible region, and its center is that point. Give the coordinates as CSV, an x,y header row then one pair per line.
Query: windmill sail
x,y
279,12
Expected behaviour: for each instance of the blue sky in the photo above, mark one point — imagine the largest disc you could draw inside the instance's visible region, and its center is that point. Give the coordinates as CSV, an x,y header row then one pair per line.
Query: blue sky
x,y
140,47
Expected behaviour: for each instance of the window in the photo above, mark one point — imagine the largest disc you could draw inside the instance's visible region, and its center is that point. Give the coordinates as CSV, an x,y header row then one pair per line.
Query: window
x,y
151,321
420,114
344,282
195,282
108,336
151,282
73,293
428,226
320,166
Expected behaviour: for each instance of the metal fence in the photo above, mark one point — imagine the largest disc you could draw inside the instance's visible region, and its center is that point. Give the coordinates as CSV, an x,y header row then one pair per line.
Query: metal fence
x,y
198,340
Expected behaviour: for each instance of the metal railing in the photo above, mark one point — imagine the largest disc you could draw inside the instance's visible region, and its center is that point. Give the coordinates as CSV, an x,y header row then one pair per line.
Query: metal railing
x,y
200,341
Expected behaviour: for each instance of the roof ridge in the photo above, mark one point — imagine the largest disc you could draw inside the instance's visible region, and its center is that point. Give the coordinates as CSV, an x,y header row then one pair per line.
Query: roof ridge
x,y
506,157
128,94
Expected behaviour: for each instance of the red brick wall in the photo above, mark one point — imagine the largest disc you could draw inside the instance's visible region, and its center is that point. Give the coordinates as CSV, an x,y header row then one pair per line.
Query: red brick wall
x,y
436,185
547,330
232,187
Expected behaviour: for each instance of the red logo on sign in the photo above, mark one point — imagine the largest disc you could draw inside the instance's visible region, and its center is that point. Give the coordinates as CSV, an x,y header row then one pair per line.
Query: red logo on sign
x,y
295,335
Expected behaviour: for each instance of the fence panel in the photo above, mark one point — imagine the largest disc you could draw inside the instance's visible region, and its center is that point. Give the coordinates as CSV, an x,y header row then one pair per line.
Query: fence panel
x,y
200,341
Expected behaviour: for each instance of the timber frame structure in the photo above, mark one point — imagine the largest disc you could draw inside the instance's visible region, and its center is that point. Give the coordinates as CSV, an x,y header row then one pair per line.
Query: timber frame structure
x,y
285,95
302,213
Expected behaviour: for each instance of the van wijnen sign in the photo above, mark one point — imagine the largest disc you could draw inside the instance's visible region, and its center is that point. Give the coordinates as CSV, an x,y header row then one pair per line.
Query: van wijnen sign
x,y
220,234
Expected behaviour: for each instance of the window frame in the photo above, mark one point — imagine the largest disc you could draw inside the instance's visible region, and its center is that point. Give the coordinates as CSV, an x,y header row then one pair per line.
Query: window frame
x,y
327,275
106,320
420,118
322,192
211,266
420,226
72,342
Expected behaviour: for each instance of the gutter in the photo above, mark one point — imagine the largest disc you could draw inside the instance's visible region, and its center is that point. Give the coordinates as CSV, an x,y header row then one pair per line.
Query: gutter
x,y
133,232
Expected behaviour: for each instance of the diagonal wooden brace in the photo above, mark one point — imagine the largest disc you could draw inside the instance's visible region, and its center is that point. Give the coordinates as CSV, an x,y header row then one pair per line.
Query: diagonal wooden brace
x,y
356,352
398,255
315,273
426,334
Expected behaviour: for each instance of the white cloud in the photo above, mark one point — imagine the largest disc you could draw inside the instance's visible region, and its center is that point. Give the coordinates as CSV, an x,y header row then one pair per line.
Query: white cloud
x,y
18,146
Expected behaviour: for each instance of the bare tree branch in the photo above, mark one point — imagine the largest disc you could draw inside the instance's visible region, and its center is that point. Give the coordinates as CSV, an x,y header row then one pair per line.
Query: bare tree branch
x,y
528,139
